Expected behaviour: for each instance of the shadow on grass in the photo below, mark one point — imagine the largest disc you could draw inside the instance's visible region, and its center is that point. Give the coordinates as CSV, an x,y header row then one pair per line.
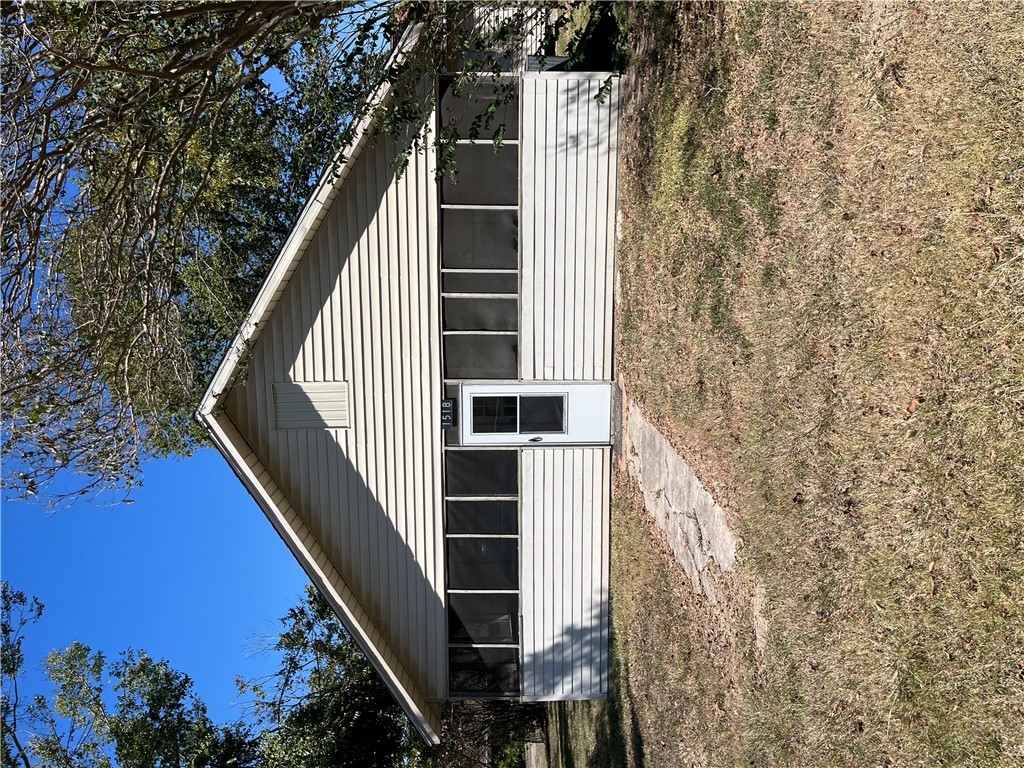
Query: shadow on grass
x,y
608,731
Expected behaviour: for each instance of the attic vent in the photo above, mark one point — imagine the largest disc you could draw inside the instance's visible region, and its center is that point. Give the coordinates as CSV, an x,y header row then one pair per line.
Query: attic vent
x,y
311,405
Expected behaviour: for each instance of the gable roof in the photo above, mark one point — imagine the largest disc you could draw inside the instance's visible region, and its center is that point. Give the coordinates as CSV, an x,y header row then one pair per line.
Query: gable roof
x,y
255,466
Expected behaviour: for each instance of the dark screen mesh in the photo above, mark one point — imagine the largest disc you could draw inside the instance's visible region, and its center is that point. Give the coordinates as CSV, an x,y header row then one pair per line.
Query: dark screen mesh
x,y
473,314
474,671
482,473
483,618
481,356
471,104
483,563
473,239
484,176
483,516
480,282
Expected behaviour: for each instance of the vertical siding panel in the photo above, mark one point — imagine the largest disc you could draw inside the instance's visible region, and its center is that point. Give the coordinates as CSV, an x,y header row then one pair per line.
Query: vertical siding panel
x,y
573,645
333,372
564,599
386,441
420,270
415,243
594,220
306,317
378,521
563,532
568,220
315,343
612,153
559,202
403,456
349,316
601,254
364,353
587,605
577,219
544,604
605,512
550,243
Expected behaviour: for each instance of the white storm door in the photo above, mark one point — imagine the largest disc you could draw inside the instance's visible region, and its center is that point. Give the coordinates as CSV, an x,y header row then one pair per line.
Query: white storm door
x,y
550,413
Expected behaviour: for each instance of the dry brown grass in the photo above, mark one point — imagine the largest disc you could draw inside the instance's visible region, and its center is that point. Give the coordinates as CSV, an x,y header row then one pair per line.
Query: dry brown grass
x,y
822,306
678,666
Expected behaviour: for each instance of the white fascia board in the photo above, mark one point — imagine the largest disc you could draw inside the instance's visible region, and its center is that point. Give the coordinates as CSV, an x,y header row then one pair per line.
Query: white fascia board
x,y
326,189
229,445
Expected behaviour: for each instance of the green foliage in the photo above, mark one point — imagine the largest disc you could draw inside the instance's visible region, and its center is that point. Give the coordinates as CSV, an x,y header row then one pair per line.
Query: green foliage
x,y
326,706
152,175
156,721
159,720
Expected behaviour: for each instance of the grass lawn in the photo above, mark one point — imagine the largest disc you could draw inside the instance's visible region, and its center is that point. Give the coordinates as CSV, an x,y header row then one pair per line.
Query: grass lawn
x,y
822,307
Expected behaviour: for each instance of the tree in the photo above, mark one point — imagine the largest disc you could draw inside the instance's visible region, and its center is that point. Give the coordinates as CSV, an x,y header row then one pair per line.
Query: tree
x,y
326,706
151,172
157,721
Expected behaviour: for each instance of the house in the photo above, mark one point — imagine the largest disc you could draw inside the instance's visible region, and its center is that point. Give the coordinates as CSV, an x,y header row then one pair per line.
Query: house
x,y
420,399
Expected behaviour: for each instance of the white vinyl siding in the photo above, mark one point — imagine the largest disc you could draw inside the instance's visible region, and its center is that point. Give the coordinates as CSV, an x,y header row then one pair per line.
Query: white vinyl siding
x,y
566,504
361,307
569,180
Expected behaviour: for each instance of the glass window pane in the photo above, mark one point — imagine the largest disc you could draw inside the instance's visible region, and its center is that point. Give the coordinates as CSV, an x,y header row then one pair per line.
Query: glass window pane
x,y
481,314
542,413
484,176
471,106
494,414
483,516
482,356
483,563
472,239
480,282
482,473
481,671
483,618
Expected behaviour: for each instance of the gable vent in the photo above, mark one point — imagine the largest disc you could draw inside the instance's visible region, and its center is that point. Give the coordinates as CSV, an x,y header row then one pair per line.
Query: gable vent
x,y
311,405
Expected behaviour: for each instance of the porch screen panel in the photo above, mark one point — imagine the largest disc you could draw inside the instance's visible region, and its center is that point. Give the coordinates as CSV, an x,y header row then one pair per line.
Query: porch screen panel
x,y
479,238
482,563
480,282
483,516
480,314
492,618
467,110
485,176
482,473
481,356
476,672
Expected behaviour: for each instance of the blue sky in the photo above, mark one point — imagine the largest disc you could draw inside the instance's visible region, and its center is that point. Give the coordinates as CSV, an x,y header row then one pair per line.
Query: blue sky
x,y
191,572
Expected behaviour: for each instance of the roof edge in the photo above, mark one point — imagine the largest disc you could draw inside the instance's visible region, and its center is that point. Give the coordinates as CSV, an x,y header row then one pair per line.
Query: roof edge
x,y
263,491
326,189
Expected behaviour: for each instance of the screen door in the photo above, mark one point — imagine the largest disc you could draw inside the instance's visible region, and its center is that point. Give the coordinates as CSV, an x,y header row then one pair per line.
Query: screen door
x,y
523,414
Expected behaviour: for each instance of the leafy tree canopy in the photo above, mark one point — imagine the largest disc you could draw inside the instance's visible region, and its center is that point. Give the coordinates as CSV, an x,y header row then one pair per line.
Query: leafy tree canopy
x,y
155,156
157,721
